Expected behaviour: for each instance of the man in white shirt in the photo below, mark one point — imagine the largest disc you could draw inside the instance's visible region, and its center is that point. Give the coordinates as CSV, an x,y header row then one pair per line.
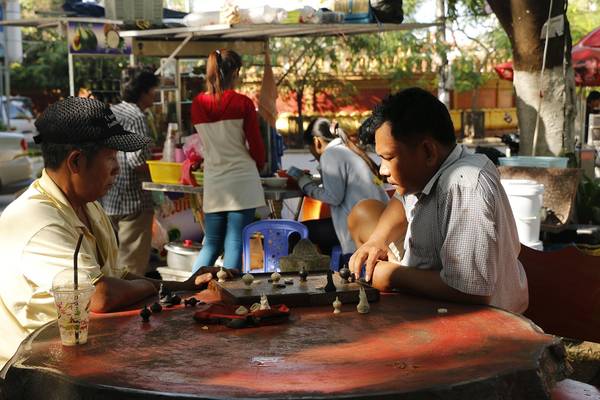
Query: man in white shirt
x,y
39,230
461,241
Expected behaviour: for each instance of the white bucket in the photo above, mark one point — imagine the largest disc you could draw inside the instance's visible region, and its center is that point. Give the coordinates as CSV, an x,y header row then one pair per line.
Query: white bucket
x,y
525,199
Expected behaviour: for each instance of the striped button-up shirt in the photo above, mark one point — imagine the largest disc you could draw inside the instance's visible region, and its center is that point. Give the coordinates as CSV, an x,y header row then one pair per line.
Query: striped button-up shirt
x,y
462,224
126,196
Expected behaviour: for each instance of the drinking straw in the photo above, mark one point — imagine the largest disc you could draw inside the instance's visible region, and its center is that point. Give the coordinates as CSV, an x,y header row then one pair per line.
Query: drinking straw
x,y
75,277
75,281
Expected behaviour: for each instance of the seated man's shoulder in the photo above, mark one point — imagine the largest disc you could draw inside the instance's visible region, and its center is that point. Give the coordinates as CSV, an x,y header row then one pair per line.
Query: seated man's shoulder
x,y
468,172
31,208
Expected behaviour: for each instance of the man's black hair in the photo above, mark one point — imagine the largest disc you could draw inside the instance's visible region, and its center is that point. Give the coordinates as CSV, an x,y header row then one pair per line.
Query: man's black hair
x,y
415,113
366,131
55,153
136,82
593,96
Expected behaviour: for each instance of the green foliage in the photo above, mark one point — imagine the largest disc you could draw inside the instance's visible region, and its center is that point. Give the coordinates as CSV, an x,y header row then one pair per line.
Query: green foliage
x,y
588,201
44,67
583,18
457,8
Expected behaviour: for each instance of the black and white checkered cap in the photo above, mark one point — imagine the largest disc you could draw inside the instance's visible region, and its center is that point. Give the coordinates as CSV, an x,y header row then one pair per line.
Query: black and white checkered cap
x,y
78,120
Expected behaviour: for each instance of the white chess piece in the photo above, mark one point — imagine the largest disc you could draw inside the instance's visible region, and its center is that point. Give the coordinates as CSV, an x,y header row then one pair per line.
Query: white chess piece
x,y
241,310
221,275
337,305
275,277
363,304
264,302
248,279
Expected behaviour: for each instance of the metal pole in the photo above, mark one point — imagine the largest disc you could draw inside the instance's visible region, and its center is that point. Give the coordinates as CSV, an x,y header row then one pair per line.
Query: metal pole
x,y
440,14
6,72
71,76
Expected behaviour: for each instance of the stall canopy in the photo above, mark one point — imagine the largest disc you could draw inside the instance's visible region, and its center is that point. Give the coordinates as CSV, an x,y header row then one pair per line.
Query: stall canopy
x,y
585,57
188,41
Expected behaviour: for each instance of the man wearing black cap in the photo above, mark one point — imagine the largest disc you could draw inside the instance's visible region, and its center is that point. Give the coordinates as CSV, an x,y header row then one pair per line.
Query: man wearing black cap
x,y
80,138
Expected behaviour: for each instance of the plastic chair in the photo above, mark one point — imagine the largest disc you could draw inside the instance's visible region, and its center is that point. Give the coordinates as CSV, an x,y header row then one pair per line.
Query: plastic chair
x,y
276,234
314,209
336,258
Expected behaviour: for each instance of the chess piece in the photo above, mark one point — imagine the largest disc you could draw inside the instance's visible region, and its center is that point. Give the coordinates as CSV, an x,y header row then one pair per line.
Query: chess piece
x,y
175,300
163,294
248,279
221,275
344,274
303,274
192,301
337,305
255,307
275,277
330,287
145,314
241,310
264,302
363,304
156,308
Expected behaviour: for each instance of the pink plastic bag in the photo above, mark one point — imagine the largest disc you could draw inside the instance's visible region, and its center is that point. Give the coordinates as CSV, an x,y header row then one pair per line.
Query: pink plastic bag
x,y
191,163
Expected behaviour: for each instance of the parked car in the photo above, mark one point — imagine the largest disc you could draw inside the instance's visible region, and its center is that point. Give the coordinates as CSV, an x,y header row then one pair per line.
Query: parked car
x,y
15,166
21,115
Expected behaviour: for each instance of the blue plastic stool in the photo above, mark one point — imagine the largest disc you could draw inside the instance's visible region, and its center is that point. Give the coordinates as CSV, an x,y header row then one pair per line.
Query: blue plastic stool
x,y
336,258
276,234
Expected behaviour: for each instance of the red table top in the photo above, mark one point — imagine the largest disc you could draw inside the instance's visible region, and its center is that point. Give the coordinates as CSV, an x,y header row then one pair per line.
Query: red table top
x,y
403,348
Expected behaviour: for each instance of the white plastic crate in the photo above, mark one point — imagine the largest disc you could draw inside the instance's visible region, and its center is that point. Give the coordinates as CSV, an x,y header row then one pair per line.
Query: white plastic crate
x,y
132,10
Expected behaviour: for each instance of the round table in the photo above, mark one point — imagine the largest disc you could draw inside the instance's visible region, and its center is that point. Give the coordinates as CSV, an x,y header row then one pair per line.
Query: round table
x,y
405,348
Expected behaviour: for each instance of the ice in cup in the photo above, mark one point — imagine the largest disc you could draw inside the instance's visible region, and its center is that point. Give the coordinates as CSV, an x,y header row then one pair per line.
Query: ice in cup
x,y
72,305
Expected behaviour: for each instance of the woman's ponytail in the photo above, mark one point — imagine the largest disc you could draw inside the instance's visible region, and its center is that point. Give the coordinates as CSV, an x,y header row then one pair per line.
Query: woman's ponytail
x,y
339,132
220,68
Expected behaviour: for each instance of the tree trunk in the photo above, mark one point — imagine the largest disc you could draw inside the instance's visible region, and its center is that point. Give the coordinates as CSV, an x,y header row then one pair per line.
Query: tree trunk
x,y
300,121
523,21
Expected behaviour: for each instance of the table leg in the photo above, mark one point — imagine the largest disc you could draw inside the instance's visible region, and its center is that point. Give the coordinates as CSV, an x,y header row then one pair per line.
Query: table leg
x,y
298,209
196,201
275,207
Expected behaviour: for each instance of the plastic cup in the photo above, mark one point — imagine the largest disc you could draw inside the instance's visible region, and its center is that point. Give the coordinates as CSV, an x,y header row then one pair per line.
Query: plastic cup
x,y
72,306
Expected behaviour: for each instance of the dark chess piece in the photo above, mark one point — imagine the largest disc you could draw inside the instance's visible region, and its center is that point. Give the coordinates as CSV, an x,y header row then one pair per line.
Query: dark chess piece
x,y
352,278
303,274
145,314
330,287
344,273
192,301
155,308
175,300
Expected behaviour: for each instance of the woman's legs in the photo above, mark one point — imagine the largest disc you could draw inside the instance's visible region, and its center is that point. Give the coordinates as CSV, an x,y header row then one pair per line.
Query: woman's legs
x,y
215,226
236,221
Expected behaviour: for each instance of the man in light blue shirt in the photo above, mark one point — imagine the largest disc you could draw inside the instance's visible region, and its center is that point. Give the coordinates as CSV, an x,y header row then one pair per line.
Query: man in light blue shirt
x,y
461,241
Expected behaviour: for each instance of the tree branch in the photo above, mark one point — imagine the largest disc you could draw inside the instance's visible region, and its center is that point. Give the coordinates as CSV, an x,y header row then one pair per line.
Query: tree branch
x,y
293,66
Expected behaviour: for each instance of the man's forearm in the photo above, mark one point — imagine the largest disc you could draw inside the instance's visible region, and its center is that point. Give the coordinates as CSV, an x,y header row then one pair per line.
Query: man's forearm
x,y
112,294
388,276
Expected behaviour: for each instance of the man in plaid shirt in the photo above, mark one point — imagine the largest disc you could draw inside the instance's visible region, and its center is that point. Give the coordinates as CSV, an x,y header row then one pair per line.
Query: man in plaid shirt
x,y
128,206
460,238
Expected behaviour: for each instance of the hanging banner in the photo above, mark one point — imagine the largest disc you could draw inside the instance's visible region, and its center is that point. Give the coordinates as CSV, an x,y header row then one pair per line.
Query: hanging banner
x,y
88,38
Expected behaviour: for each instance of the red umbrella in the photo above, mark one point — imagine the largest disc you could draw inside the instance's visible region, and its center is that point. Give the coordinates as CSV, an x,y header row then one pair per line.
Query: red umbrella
x,y
505,70
585,57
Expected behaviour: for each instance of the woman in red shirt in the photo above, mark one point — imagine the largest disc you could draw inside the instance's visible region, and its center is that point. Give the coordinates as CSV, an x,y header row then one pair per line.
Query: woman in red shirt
x,y
233,153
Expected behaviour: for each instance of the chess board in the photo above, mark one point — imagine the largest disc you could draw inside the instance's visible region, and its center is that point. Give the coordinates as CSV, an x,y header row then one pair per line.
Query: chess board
x,y
298,294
